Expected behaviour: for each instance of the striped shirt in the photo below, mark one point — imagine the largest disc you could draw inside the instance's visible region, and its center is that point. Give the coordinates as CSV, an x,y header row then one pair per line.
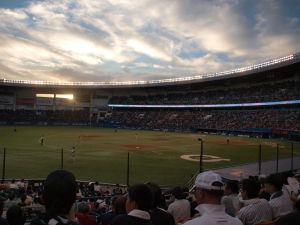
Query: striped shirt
x,y
231,203
180,209
280,204
255,211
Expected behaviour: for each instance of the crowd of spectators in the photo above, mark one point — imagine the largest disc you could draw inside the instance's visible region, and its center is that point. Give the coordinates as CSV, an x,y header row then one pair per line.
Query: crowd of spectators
x,y
259,93
58,201
173,119
214,119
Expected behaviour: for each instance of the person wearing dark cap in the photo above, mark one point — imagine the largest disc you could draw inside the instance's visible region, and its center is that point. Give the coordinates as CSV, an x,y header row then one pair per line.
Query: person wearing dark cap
x,y
158,215
138,204
208,192
59,195
181,207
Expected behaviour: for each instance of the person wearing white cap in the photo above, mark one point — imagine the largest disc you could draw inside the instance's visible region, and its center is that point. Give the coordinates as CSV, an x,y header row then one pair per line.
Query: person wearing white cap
x,y
208,192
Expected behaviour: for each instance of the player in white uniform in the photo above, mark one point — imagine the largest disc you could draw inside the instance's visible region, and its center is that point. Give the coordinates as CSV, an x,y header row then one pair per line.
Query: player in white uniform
x,y
73,153
42,140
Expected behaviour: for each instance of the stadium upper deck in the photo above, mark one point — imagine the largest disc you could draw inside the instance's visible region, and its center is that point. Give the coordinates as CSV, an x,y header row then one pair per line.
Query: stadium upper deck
x,y
274,64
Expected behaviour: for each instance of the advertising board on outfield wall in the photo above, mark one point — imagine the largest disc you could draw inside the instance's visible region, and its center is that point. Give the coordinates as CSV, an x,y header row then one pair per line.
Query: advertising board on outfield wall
x,y
6,99
44,101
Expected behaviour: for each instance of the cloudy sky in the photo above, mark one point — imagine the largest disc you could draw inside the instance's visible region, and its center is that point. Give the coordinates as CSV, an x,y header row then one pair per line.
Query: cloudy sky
x,y
120,40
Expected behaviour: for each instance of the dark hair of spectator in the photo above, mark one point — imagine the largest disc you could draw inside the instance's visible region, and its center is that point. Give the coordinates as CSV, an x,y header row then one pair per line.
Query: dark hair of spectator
x,y
15,215
233,185
185,191
11,196
23,197
22,191
59,192
297,205
177,192
83,207
275,180
1,206
119,205
157,194
251,186
142,195
285,175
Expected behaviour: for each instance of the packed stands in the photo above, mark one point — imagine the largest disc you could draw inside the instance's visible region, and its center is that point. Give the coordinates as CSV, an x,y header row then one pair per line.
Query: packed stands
x,y
288,119
225,95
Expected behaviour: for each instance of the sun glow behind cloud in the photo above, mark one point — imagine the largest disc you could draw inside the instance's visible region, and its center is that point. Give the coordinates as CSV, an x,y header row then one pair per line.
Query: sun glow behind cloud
x,y
146,49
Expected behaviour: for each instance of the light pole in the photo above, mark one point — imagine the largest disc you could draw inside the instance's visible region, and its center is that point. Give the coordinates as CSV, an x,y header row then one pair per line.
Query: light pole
x,y
201,156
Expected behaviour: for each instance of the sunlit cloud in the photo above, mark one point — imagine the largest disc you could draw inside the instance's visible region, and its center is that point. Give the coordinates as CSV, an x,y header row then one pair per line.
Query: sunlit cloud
x,y
115,40
144,48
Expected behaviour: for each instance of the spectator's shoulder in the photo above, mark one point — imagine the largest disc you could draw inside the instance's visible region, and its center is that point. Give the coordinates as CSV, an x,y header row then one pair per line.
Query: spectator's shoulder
x,y
40,220
3,221
119,220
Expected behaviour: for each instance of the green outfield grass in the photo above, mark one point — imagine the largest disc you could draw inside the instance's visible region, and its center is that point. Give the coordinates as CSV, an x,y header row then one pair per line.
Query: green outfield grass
x,y
100,155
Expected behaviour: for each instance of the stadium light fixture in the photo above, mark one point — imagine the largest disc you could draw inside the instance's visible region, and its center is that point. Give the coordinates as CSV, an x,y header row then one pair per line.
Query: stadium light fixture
x,y
45,95
65,96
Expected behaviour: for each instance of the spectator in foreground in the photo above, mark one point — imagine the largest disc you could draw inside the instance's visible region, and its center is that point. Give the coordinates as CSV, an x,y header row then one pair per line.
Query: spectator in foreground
x,y
2,220
159,216
118,207
15,215
180,208
280,203
11,201
208,192
253,210
59,196
292,218
230,199
138,204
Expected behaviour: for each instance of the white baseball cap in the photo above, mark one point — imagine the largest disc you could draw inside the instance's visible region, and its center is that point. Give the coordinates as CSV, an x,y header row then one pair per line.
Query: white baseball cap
x,y
209,180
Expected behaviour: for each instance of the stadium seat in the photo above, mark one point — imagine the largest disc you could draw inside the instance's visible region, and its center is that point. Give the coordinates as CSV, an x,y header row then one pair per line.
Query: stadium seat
x,y
273,222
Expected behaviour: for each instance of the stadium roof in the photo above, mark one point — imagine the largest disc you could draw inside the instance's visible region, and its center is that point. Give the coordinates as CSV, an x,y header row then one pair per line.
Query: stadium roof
x,y
265,66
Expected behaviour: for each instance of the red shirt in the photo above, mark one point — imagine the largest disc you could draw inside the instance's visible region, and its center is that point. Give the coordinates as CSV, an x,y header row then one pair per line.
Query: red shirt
x,y
86,219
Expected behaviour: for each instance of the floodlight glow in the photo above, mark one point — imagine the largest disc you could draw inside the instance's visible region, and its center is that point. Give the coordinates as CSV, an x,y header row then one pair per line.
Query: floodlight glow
x,y
66,96
45,95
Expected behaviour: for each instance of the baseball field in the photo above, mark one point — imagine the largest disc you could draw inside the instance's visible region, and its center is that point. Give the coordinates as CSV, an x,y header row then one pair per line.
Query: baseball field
x,y
101,154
